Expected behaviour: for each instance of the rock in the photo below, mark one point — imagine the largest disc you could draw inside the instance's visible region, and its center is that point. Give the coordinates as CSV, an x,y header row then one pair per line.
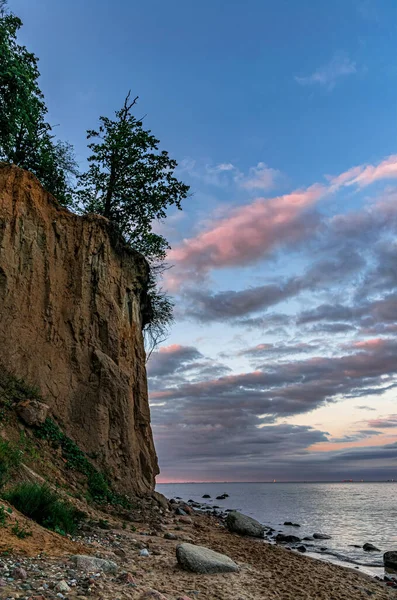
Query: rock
x,y
308,538
390,559
144,552
32,412
180,511
62,587
19,573
370,548
290,524
161,500
244,525
152,595
92,563
321,536
128,579
183,598
222,497
203,560
186,520
170,536
206,496
71,293
282,538
301,548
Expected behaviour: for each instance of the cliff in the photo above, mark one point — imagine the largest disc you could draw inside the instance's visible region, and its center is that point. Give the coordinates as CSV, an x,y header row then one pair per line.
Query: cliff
x,y
73,302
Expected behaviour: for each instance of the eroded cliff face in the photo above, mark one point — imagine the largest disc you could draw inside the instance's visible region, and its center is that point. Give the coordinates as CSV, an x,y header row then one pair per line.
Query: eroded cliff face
x,y
72,306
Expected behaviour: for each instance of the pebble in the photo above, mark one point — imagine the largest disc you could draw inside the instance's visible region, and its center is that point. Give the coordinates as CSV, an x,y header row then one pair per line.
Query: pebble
x,y
144,552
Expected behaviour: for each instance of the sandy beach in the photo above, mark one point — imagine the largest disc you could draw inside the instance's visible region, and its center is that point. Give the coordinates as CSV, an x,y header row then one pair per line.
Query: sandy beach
x,y
265,571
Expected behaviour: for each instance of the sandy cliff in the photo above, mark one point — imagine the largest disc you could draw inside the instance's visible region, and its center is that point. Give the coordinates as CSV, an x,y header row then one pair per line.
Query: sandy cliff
x,y
72,306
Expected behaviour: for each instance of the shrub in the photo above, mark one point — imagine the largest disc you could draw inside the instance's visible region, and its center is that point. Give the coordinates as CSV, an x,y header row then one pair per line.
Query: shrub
x,y
10,460
44,506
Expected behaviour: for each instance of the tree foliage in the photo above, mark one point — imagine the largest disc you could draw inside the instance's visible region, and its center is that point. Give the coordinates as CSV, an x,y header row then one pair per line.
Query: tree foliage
x,y
25,136
129,181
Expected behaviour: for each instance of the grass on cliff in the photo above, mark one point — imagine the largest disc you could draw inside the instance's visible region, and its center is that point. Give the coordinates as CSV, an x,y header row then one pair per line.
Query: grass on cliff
x,y
99,489
10,460
14,390
43,505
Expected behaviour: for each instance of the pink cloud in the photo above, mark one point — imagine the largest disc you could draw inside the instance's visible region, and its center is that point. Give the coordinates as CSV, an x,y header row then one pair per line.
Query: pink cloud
x,y
247,234
257,229
366,174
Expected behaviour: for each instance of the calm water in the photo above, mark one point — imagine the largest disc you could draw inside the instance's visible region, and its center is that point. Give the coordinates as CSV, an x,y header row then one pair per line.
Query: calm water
x,y
352,513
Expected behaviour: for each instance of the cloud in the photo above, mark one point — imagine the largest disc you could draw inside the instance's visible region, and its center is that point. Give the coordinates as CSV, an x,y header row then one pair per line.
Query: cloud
x,y
384,423
338,67
206,306
224,428
259,229
261,178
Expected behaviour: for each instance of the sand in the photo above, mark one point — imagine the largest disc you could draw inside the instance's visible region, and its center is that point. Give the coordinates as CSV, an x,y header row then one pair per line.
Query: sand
x,y
266,571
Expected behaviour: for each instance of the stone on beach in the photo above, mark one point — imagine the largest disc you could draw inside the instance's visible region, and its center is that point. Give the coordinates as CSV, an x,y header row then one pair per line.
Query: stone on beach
x,y
390,559
92,563
239,523
370,548
203,560
321,536
287,539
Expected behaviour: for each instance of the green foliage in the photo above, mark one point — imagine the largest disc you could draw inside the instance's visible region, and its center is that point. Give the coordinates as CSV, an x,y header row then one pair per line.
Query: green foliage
x,y
25,136
129,181
99,490
156,330
10,460
4,512
40,503
20,531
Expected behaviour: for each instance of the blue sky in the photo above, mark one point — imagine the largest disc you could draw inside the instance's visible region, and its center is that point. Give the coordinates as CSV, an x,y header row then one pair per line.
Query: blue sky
x,y
280,363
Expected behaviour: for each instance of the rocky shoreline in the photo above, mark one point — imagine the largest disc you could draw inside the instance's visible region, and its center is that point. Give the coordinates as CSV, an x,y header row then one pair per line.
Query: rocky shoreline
x,y
179,553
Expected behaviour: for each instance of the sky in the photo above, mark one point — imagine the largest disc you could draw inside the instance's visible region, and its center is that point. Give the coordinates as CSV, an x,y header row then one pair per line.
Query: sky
x,y
281,363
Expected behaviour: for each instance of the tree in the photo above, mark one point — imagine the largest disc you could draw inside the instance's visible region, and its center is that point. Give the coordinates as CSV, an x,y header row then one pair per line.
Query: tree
x,y
25,136
129,181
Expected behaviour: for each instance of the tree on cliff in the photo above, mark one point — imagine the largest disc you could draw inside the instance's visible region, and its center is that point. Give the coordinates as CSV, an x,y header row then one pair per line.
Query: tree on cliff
x,y
25,136
129,181
132,183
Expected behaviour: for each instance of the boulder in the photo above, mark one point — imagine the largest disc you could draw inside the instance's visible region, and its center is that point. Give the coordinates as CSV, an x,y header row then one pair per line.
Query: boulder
x,y
203,560
321,536
92,563
281,538
301,549
370,548
32,412
239,523
206,496
390,559
152,595
290,524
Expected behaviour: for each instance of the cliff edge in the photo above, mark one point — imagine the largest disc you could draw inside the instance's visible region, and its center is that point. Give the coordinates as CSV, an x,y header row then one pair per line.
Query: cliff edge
x,y
73,302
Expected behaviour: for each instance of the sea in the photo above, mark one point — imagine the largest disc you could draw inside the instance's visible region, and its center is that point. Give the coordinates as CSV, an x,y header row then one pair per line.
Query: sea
x,y
351,513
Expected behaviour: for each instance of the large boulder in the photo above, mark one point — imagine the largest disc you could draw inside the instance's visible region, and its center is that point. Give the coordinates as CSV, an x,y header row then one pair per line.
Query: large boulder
x,y
390,559
203,560
32,412
239,523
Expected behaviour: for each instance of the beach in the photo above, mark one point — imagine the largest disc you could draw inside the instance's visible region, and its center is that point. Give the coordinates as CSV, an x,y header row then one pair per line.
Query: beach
x,y
265,571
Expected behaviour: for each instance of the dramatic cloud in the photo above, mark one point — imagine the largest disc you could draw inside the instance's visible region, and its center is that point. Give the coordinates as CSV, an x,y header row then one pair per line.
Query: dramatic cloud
x,y
216,428
206,306
258,229
340,66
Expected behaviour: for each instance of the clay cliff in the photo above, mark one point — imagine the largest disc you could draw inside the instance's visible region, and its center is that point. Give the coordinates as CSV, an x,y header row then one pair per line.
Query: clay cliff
x,y
73,302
